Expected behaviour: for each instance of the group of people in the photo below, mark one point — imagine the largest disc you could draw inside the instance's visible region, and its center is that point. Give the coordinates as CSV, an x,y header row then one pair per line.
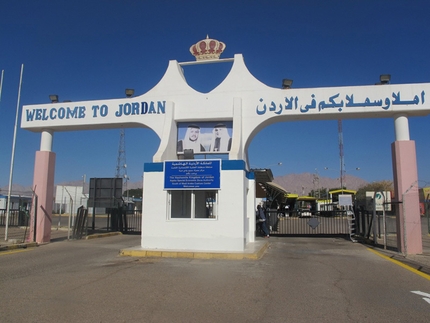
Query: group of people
x,y
220,141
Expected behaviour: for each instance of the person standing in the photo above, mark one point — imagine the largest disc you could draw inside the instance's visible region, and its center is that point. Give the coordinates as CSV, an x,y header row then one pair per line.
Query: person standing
x,y
262,219
221,140
191,140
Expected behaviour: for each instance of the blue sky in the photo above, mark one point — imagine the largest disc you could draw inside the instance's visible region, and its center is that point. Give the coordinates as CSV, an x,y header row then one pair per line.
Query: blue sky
x,y
94,49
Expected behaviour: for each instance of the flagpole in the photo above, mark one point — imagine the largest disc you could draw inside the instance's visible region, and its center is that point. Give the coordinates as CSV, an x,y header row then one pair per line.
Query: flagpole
x,y
13,154
1,83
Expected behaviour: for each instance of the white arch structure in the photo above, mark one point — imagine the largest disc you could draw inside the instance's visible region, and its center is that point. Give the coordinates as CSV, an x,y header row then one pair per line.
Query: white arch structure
x,y
250,105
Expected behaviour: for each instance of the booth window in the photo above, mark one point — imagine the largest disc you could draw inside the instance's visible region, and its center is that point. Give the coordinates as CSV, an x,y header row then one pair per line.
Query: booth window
x,y
193,204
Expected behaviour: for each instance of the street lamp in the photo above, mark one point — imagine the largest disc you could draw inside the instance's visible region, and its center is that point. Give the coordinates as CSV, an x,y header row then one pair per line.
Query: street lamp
x,y
286,84
385,78
53,98
129,93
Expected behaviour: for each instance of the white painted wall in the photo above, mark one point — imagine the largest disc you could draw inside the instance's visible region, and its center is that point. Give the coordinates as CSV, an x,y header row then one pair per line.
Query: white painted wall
x,y
70,198
225,233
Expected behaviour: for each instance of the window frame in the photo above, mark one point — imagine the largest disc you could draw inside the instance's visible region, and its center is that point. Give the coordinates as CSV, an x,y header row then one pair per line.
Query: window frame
x,y
172,201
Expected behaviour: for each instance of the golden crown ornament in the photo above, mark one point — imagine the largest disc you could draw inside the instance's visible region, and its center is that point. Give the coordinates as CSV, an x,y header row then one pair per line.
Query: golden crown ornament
x,y
207,49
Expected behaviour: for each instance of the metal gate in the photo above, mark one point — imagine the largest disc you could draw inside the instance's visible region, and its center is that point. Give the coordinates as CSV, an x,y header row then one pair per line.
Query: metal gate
x,y
339,223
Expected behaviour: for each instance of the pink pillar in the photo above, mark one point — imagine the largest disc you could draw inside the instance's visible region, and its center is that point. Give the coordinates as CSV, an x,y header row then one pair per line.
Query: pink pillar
x,y
43,184
405,174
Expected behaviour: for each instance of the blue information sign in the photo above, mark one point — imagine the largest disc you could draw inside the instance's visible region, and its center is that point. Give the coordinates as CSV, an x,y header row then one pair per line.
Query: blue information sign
x,y
192,174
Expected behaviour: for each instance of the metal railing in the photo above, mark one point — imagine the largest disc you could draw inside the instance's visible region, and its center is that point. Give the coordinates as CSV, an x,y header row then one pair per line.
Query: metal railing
x,y
17,218
377,226
125,221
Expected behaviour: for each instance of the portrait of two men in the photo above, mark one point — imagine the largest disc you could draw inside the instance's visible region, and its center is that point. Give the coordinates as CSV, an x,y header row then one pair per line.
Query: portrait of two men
x,y
205,137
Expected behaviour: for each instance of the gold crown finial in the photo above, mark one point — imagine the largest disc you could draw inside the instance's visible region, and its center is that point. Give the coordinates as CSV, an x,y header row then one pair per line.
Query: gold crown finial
x,y
207,49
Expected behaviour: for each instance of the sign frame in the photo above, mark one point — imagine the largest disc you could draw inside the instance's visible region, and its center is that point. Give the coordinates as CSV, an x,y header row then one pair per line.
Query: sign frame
x,y
193,174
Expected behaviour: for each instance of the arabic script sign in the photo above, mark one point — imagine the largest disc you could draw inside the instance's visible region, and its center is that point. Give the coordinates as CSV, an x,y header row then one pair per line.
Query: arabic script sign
x,y
192,174
336,101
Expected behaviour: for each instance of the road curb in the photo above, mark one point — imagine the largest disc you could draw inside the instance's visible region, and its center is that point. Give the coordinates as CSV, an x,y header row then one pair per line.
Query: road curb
x,y
24,245
18,246
102,235
146,253
410,265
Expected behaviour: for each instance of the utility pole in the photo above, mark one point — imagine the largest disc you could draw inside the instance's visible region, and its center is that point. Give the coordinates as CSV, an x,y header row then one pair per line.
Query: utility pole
x,y
121,164
316,182
342,161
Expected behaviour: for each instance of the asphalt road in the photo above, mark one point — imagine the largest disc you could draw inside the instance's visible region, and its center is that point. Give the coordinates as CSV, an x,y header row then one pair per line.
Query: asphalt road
x,y
297,280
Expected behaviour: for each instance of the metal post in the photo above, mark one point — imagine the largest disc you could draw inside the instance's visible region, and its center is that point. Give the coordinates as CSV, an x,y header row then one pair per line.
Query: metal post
x,y
13,154
427,213
375,231
404,226
61,207
1,83
70,213
93,220
35,216
384,221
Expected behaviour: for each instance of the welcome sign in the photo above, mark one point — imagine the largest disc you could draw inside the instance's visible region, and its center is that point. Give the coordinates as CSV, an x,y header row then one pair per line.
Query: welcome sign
x,y
192,174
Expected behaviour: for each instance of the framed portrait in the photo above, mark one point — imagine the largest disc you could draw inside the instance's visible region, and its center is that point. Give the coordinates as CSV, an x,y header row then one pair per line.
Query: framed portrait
x,y
204,137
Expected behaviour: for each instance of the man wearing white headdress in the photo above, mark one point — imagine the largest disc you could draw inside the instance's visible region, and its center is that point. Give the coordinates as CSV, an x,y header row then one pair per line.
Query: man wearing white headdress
x,y
191,140
221,140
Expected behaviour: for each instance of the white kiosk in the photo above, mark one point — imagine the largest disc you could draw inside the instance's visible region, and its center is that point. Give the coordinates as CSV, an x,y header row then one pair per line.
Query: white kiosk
x,y
198,192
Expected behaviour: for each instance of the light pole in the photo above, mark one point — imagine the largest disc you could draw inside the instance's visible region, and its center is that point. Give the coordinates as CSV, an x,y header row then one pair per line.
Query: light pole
x,y
316,182
84,177
126,180
12,160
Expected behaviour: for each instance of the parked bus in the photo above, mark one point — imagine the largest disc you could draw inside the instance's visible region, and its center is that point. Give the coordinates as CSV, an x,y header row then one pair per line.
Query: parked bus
x,y
299,206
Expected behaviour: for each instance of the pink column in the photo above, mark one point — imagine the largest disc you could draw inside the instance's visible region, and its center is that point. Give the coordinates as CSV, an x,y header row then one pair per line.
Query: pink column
x,y
405,174
43,184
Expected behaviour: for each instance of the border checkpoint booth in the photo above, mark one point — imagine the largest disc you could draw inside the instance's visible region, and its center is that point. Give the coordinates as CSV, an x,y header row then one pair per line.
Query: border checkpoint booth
x,y
202,197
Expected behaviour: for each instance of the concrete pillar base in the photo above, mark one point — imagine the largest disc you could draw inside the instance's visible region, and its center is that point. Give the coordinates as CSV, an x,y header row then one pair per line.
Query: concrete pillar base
x,y
409,238
43,185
